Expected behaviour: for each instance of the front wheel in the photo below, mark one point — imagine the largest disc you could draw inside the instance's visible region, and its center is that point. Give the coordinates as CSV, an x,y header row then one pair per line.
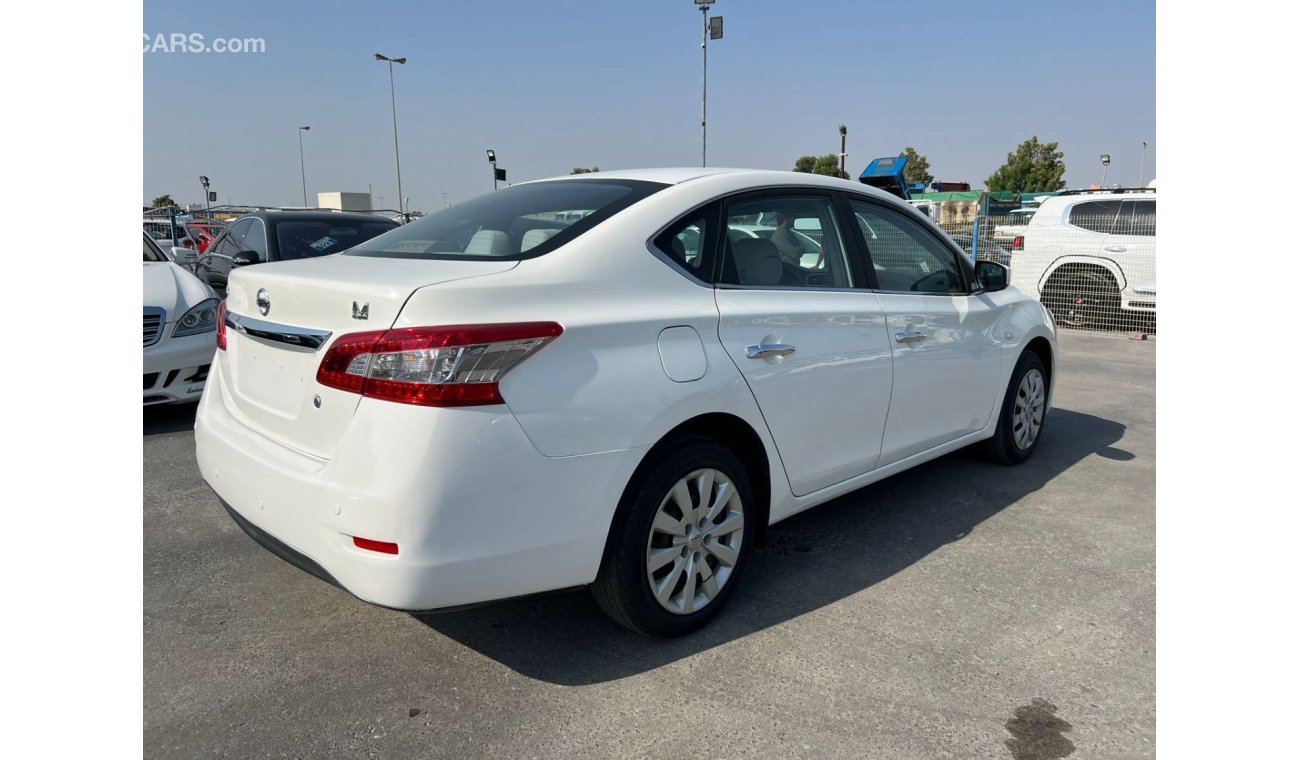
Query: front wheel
x,y
1024,409
678,542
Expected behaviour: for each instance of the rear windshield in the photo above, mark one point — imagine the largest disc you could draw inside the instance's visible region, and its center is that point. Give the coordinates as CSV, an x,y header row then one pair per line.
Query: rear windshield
x,y
303,239
515,223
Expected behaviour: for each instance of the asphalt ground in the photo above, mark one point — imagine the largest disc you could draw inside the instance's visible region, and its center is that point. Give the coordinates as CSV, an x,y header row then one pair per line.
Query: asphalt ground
x,y
959,610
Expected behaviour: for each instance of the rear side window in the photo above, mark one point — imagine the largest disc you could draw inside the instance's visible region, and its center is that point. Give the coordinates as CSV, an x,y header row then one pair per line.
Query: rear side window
x,y
305,239
689,242
515,223
1097,216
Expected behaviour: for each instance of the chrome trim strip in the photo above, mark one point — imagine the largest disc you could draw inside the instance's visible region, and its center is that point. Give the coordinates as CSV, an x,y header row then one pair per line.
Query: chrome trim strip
x,y
294,336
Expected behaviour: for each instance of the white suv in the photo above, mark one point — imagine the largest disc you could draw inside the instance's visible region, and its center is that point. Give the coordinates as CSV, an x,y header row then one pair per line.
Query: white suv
x,y
1090,257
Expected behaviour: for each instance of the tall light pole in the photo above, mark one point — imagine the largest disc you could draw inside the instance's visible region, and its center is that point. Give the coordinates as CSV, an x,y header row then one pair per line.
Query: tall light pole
x,y
393,91
712,30
1105,164
1142,177
302,165
207,194
844,132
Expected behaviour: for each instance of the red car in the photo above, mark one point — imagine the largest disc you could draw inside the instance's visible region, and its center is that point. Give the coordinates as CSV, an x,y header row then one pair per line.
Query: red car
x,y
203,234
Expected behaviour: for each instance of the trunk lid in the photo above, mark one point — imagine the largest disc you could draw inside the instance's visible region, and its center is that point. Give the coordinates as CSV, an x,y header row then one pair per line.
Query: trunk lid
x,y
269,366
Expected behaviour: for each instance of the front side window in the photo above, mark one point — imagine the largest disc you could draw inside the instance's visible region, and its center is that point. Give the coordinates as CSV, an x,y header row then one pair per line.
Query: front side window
x,y
906,257
1136,218
784,241
515,223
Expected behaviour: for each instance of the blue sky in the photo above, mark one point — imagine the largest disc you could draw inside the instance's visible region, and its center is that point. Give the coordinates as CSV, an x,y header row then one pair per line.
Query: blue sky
x,y
564,83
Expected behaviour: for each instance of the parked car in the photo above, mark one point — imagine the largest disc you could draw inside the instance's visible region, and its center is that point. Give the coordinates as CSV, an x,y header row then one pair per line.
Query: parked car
x,y
203,234
283,236
1090,256
1011,227
987,250
161,233
180,328
488,402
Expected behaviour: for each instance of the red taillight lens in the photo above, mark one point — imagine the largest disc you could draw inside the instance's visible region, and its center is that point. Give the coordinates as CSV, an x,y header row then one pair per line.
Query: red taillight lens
x,y
1018,244
460,365
221,325
383,547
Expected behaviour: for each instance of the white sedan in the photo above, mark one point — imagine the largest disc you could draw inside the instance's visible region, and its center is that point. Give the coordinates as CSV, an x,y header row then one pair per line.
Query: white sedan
x,y
491,401
180,327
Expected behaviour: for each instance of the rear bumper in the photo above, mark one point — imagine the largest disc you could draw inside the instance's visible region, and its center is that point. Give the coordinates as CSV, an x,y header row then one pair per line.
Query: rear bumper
x,y
477,513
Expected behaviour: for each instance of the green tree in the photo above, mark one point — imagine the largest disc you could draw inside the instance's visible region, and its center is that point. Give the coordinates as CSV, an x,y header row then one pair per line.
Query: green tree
x,y
1033,167
918,167
580,170
828,165
162,201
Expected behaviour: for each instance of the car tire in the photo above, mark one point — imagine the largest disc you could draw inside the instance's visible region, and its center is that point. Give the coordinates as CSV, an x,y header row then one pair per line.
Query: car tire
x,y
1083,300
1024,409
669,568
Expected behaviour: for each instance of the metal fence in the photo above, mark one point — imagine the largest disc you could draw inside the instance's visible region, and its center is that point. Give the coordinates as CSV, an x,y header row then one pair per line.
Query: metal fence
x,y
1091,260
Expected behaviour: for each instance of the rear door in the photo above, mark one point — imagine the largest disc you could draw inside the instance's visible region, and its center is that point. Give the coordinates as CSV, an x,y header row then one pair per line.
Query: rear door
x,y
214,267
807,334
947,356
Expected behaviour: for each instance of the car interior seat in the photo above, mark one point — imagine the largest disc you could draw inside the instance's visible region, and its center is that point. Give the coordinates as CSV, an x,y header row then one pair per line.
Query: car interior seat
x,y
489,243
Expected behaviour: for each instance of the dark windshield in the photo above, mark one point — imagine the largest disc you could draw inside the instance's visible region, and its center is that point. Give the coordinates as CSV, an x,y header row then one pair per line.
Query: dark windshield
x,y
304,239
515,223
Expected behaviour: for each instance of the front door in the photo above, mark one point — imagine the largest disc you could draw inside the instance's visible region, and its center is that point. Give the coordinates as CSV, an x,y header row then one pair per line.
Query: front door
x,y
946,350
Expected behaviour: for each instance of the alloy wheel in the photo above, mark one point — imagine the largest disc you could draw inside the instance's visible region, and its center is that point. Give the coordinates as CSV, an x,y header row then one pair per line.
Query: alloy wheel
x,y
695,541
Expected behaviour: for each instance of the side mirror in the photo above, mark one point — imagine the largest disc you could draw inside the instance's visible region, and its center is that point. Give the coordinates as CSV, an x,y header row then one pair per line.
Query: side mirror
x,y
183,255
244,258
991,275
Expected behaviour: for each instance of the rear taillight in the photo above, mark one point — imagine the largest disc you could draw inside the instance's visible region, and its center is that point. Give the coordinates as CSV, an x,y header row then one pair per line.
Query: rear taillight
x,y
1018,244
460,365
221,325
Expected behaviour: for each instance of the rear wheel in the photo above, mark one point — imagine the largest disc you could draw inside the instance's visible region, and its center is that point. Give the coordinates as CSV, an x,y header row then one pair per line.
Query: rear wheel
x,y
679,540
1083,299
1024,408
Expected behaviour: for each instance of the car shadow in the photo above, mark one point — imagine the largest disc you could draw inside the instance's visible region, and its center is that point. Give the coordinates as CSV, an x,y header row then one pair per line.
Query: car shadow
x,y
169,418
810,560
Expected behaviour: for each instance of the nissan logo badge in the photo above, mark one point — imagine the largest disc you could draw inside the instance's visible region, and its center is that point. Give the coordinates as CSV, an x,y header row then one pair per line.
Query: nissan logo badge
x,y
263,301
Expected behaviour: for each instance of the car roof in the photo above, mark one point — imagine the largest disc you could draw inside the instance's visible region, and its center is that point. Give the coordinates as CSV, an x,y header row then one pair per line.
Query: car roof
x,y
314,216
678,175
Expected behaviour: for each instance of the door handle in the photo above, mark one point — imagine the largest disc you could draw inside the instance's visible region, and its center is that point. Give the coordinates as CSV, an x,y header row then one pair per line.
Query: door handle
x,y
1116,248
764,350
909,337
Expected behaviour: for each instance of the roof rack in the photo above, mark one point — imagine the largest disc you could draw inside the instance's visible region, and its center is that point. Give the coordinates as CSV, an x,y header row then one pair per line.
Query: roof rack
x,y
1108,191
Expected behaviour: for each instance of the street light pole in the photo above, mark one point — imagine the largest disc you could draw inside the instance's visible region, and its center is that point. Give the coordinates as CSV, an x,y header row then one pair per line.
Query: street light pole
x,y
392,88
302,165
1105,164
704,99
844,132
1142,177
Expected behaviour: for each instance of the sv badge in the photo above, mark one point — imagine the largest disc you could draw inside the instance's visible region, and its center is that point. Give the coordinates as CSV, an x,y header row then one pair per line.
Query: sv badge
x,y
362,311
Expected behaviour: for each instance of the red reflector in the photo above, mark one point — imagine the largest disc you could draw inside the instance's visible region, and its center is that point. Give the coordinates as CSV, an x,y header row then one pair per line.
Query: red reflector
x,y
1018,244
221,325
383,547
